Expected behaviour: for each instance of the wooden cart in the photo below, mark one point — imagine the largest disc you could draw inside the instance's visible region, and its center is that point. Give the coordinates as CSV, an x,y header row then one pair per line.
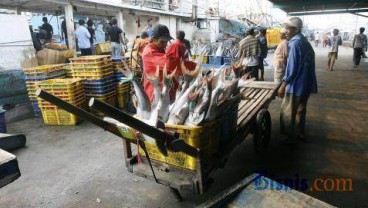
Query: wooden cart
x,y
253,118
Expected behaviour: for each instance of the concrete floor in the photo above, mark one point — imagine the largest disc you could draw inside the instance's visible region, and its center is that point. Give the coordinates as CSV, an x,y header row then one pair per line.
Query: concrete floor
x,y
75,166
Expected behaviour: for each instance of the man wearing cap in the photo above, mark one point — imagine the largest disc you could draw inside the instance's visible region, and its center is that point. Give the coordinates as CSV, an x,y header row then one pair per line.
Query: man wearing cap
x,y
83,37
154,55
298,83
48,30
280,57
249,50
177,49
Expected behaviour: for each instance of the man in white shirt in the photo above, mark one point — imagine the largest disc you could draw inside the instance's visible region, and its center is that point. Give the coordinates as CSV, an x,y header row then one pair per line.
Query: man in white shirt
x,y
83,37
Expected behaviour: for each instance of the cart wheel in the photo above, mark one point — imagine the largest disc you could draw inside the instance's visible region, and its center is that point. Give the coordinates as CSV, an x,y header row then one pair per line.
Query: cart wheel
x,y
262,131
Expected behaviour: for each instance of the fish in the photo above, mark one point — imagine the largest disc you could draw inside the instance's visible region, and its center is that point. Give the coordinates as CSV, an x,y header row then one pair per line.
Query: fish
x,y
197,115
216,93
155,81
180,111
244,81
143,103
164,103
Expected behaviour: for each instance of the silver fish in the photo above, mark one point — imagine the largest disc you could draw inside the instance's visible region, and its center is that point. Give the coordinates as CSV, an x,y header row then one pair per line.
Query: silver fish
x,y
197,116
155,81
143,102
216,93
180,111
164,103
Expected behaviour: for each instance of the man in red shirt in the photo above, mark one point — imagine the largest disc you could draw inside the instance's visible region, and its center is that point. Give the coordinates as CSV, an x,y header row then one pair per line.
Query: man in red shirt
x,y
154,55
177,49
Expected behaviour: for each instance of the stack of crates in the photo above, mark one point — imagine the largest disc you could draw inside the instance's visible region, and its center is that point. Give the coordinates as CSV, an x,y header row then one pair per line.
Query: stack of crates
x,y
69,90
98,77
40,73
67,68
123,93
118,67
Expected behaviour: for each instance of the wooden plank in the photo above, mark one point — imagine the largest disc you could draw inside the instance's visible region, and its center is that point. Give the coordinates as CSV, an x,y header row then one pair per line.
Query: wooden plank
x,y
252,94
9,170
252,192
252,107
253,97
264,85
259,107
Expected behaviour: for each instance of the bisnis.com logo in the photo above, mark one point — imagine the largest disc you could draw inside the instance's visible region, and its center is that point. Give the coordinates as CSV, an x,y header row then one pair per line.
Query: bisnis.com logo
x,y
296,182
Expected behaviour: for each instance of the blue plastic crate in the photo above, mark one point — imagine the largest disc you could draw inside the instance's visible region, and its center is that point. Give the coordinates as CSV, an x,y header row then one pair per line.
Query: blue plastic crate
x,y
227,60
99,82
118,75
101,90
36,109
109,86
216,60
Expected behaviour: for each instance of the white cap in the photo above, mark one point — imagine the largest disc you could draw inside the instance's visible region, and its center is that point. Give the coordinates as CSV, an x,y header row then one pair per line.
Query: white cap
x,y
293,22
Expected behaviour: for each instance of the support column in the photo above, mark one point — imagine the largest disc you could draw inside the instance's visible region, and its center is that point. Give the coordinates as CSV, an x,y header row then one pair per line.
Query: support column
x,y
120,18
69,20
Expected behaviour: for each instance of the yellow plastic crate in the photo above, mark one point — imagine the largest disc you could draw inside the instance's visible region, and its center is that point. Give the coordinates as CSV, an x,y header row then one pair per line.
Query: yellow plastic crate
x,y
90,59
92,75
101,63
78,100
206,138
122,97
67,84
42,69
92,68
59,117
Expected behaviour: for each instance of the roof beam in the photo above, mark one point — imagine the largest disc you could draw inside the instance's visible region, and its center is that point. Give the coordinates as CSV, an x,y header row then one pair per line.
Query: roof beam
x,y
327,12
298,4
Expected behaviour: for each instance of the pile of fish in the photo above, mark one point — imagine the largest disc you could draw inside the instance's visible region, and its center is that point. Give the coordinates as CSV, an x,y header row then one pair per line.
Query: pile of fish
x,y
215,49
203,95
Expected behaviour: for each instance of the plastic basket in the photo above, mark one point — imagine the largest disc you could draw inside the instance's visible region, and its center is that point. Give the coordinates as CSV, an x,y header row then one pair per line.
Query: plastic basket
x,y
99,82
102,96
227,60
101,90
78,100
123,97
60,84
92,75
205,137
87,64
216,60
36,109
90,59
90,67
58,117
42,69
46,75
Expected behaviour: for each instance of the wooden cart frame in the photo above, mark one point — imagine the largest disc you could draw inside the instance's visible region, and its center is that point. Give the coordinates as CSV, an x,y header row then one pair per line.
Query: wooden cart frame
x,y
253,118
